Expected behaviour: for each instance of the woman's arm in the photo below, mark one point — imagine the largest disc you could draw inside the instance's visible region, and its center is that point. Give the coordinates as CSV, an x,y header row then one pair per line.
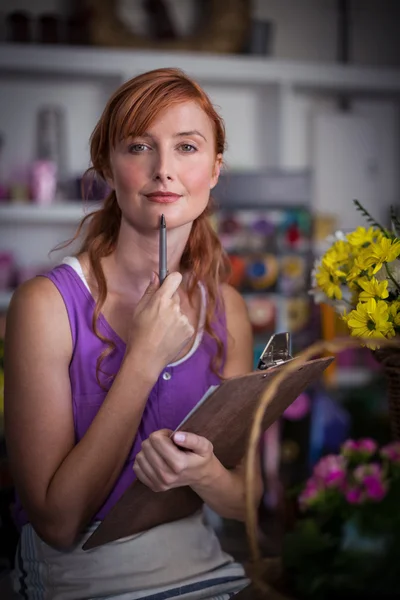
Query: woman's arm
x,y
61,484
161,466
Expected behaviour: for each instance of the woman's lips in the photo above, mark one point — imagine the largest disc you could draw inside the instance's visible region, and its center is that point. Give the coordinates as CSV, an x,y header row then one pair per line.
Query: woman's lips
x,y
163,198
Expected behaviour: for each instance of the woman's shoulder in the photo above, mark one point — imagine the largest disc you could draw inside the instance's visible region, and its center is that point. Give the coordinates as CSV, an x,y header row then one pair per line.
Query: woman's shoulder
x,y
37,305
234,303
35,293
47,289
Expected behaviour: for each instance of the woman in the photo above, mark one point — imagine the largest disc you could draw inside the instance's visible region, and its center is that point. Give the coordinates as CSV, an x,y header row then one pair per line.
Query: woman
x,y
102,362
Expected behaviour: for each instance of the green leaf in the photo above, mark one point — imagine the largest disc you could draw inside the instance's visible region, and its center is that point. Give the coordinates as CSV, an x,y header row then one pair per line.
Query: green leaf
x,y
370,219
305,540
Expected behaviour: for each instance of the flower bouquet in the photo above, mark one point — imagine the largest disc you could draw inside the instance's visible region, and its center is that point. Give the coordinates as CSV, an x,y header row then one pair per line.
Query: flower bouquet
x,y
346,541
359,275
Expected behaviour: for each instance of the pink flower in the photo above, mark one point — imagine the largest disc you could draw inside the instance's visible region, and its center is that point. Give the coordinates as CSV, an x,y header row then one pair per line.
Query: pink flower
x,y
331,470
369,484
311,493
375,488
362,472
391,452
364,446
349,446
367,445
354,495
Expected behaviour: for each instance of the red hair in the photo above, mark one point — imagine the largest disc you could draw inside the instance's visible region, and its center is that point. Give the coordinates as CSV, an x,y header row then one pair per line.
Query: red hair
x,y
130,111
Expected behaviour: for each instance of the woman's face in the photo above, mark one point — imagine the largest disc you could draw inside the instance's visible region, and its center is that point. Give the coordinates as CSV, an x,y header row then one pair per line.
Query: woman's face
x,y
169,170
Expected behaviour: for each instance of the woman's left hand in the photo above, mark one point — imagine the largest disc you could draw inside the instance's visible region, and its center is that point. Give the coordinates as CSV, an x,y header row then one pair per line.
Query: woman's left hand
x,y
161,465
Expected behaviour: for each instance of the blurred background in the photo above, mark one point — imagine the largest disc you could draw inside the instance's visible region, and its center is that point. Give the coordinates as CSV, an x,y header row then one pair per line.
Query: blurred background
x,y
309,90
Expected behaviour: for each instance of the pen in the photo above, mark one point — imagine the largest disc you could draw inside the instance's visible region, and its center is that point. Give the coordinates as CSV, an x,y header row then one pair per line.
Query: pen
x,y
163,250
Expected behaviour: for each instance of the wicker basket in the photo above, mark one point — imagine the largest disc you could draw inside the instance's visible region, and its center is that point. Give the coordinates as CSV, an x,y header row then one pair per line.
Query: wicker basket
x,y
389,356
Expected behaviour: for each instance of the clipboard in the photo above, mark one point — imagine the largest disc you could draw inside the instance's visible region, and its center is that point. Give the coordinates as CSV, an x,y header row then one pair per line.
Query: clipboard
x,y
224,417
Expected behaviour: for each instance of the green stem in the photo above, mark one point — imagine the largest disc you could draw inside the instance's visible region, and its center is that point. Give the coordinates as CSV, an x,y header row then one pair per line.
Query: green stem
x,y
391,276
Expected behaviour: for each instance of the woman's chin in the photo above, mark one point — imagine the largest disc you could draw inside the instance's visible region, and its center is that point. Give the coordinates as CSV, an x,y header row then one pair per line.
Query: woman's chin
x,y
175,215
148,215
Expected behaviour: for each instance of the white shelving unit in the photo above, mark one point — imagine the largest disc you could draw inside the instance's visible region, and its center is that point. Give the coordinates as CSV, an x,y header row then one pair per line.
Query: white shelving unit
x,y
61,62
273,98
56,214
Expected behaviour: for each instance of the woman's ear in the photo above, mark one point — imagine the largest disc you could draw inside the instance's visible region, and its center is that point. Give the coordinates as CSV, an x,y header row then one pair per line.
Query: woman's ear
x,y
216,171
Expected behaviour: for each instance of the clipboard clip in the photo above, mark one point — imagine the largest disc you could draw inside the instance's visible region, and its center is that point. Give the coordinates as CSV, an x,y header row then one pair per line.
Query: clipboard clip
x,y
276,352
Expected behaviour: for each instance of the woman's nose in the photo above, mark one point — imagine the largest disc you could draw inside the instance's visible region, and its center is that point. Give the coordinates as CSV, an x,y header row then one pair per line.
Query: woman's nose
x,y
163,168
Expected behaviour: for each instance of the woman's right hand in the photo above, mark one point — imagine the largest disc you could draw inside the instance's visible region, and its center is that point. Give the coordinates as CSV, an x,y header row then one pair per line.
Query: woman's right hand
x,y
159,330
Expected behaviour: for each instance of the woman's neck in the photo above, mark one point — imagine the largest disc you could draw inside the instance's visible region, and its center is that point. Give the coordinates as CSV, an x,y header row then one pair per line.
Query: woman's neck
x,y
129,268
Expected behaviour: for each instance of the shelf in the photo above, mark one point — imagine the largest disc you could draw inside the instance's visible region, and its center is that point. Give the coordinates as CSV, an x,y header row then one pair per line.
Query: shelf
x,y
78,62
63,213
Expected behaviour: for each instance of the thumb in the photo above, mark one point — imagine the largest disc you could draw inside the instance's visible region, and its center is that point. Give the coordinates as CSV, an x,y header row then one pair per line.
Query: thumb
x,y
150,290
196,443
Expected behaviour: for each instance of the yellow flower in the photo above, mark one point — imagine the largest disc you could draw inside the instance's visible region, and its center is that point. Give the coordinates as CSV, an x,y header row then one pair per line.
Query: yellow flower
x,y
339,253
328,279
361,266
363,237
386,250
373,289
370,320
394,313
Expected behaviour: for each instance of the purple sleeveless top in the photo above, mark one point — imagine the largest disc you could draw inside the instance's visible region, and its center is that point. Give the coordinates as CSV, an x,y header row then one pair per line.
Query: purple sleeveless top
x,y
180,385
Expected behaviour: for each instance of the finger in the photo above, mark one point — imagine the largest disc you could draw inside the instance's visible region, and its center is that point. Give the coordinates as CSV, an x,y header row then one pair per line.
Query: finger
x,y
176,307
171,284
141,475
156,459
141,463
174,458
196,443
176,299
150,290
165,432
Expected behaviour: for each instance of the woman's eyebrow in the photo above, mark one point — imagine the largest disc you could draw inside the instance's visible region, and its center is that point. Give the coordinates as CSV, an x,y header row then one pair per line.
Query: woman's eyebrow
x,y
188,133
148,135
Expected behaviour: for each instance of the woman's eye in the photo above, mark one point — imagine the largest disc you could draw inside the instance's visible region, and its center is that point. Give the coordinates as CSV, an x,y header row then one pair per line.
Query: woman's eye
x,y
137,148
188,148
